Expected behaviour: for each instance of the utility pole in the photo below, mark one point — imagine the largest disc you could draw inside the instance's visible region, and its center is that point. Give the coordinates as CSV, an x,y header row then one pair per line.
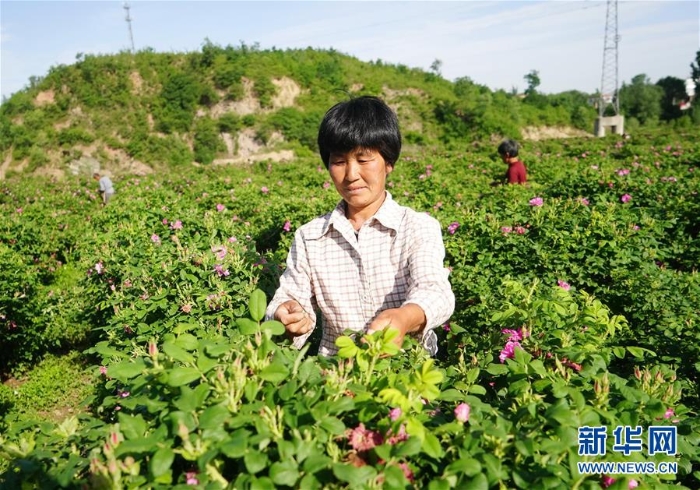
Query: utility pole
x,y
128,21
609,94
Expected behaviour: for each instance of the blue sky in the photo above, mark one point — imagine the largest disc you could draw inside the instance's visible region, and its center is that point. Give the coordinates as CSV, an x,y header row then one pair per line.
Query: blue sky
x,y
494,43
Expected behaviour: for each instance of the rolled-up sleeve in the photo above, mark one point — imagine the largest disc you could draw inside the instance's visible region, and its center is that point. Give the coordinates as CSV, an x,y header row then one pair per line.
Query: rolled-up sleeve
x,y
429,285
295,284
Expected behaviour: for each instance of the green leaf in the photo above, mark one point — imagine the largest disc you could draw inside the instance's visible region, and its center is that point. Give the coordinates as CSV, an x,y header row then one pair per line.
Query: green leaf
x,y
383,451
394,477
182,375
214,417
432,446
468,466
284,473
275,327
257,305
333,425
390,334
344,404
441,485
177,353
472,375
497,369
255,461
287,391
411,447
205,363
105,350
161,462
356,477
639,352
187,341
184,327
275,373
217,350
237,444
451,395
247,326
477,390
415,428
619,352
126,370
479,482
346,347
316,462
433,377
562,413
141,445
133,427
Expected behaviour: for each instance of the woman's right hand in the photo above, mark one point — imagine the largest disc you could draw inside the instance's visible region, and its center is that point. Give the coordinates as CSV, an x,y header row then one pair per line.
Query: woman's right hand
x,y
294,318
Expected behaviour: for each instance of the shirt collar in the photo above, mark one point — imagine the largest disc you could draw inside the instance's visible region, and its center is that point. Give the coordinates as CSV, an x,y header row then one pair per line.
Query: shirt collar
x,y
389,215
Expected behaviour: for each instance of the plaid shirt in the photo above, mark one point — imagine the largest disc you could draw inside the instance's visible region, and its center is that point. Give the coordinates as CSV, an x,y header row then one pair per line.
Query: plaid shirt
x,y
396,258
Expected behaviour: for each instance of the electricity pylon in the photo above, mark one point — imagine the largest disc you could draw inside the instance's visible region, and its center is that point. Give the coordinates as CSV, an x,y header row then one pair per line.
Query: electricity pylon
x,y
128,21
609,92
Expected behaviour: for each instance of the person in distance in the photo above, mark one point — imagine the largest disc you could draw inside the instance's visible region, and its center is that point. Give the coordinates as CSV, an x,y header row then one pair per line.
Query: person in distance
x,y
106,187
370,262
516,173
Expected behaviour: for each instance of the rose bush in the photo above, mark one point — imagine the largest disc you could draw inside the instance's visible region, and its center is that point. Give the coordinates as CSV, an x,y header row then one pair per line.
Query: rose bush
x,y
579,310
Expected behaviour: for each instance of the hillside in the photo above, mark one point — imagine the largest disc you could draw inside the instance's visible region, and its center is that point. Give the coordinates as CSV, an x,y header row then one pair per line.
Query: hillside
x,y
136,113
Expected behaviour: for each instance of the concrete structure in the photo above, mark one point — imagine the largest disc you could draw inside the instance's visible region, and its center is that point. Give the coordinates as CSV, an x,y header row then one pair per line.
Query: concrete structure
x,y
609,125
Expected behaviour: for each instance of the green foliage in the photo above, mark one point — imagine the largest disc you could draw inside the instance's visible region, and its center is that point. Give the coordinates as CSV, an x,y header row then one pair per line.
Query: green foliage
x,y
73,136
228,123
207,142
297,126
129,101
641,100
54,386
533,81
695,71
178,101
265,90
674,94
601,295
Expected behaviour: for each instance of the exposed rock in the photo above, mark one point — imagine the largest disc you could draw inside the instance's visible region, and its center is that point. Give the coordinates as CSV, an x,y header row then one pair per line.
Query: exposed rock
x,y
250,149
230,144
44,98
248,104
85,165
275,156
538,133
136,82
287,92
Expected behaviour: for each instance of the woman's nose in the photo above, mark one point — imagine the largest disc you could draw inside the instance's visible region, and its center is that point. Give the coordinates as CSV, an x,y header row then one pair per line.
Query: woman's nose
x,y
352,171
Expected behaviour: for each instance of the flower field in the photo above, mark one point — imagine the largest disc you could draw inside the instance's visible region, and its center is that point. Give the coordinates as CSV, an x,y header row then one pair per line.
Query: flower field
x,y
578,305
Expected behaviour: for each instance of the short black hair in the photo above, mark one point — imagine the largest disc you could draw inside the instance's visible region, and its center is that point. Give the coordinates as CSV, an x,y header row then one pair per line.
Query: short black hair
x,y
361,122
509,147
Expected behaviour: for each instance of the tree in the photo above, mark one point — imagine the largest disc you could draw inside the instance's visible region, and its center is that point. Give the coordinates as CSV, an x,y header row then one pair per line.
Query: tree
x,y
436,66
533,81
674,94
695,72
695,75
641,99
532,97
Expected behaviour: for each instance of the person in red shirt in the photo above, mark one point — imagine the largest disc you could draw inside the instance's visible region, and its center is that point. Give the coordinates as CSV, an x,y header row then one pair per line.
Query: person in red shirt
x,y
516,173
